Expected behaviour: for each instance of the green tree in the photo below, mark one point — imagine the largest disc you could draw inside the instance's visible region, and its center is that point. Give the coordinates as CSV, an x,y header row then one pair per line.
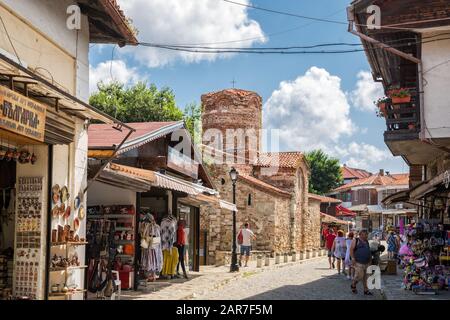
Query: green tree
x,y
138,103
325,172
193,120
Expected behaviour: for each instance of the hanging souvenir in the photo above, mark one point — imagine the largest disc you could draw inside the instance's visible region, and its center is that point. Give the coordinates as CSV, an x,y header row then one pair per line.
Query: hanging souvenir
x,y
67,213
62,209
55,211
64,194
81,213
76,224
77,202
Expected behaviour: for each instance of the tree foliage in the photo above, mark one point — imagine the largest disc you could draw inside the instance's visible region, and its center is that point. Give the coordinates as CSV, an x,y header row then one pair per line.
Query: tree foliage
x,y
325,172
193,120
137,103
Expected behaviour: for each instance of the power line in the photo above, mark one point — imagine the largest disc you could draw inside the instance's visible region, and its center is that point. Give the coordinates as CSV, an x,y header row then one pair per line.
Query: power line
x,y
285,50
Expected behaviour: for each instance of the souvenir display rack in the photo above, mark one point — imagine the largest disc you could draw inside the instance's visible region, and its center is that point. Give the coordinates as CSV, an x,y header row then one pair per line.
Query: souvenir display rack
x,y
114,228
28,271
424,258
65,239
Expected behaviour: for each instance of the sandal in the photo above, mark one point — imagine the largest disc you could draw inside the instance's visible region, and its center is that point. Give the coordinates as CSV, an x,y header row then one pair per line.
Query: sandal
x,y
354,291
368,293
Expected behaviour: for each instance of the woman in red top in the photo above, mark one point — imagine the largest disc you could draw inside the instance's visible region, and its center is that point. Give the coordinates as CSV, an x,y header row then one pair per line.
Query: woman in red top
x,y
181,242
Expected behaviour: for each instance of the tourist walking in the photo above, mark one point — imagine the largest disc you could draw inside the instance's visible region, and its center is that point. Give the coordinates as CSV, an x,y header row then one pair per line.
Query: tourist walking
x,y
361,258
245,238
180,244
348,258
339,249
392,245
329,243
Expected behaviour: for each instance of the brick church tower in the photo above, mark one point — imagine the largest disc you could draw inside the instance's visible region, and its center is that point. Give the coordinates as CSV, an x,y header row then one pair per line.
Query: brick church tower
x,y
232,123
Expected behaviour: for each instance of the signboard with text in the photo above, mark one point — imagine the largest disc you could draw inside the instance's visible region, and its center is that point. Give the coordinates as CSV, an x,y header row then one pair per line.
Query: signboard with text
x,y
21,115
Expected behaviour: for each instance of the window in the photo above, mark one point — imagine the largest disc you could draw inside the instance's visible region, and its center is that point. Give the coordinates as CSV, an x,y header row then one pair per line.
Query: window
x,y
249,200
223,181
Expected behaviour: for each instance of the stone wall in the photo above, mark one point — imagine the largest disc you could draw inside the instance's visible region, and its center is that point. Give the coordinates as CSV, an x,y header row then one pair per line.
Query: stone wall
x,y
311,226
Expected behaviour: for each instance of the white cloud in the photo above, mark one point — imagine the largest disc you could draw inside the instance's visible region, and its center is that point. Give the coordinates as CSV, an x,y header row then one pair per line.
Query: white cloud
x,y
108,71
311,112
366,92
188,22
364,156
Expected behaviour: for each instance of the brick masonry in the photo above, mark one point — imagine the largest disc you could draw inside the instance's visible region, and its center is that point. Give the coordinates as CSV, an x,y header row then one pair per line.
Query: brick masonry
x,y
282,221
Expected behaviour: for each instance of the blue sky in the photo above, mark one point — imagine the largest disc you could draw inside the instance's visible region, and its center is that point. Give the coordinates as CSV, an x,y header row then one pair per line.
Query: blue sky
x,y
345,124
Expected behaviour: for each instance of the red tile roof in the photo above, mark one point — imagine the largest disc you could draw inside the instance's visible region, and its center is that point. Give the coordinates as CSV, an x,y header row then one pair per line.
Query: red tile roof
x,y
263,185
105,136
323,198
353,173
330,219
280,159
378,180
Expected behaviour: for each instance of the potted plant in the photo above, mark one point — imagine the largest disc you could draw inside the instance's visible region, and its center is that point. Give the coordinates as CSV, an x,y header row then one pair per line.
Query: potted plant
x,y
382,104
400,95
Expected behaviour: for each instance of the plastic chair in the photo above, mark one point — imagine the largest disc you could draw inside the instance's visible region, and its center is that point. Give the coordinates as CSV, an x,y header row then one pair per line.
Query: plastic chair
x,y
118,284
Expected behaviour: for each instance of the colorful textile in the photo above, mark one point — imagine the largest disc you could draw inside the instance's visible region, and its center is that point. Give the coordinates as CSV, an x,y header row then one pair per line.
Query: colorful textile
x,y
170,261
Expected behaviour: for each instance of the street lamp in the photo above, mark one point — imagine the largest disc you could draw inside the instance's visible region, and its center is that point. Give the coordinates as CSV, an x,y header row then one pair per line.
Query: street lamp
x,y
234,265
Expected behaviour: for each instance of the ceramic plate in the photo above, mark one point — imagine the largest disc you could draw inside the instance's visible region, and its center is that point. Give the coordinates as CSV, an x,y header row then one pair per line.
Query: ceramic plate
x,y
77,202
67,214
55,211
81,213
76,224
64,194
62,209
56,188
55,198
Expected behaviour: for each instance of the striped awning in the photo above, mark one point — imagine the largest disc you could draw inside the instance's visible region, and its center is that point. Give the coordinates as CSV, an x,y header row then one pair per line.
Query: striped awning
x,y
172,183
227,205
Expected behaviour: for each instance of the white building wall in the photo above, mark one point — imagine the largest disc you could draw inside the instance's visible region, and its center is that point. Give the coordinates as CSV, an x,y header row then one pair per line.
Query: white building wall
x,y
436,73
56,50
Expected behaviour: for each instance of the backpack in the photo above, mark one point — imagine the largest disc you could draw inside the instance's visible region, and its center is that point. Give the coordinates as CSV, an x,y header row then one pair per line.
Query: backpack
x,y
240,238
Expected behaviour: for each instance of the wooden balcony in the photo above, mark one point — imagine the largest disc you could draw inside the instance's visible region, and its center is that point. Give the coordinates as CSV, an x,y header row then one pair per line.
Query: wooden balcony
x,y
403,120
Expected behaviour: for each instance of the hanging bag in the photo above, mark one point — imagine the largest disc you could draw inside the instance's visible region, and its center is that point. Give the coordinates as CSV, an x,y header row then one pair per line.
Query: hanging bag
x,y
240,238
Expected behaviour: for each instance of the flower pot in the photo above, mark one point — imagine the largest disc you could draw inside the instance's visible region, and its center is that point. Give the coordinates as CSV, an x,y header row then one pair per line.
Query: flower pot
x,y
382,107
411,126
400,100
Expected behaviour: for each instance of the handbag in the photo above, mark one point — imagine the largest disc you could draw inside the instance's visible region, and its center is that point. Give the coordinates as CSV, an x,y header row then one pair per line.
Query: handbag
x,y
240,238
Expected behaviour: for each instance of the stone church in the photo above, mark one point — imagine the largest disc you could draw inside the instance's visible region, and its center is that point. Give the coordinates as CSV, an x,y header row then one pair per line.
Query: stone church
x,y
272,188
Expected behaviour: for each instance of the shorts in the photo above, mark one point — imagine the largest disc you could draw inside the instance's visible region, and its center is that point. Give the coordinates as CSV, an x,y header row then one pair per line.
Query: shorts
x,y
330,253
360,271
245,250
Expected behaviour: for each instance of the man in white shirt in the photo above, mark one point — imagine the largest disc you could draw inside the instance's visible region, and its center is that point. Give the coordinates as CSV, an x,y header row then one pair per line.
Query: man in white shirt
x,y
246,245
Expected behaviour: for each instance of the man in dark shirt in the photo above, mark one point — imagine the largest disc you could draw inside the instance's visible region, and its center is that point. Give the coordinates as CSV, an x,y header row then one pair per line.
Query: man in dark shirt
x,y
361,259
329,243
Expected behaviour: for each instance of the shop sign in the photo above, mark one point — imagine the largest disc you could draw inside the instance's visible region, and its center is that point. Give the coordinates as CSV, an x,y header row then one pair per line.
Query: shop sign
x,y
21,115
182,163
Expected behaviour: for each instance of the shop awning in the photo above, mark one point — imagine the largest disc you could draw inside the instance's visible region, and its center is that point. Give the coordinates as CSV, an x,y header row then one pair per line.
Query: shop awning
x,y
422,190
397,197
330,219
227,205
125,177
342,211
172,183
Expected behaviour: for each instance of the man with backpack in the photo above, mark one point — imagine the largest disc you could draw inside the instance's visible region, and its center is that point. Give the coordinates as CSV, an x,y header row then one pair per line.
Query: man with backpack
x,y
361,257
245,238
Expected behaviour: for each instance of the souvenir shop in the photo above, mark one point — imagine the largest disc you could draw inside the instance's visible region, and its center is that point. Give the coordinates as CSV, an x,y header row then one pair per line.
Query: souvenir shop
x,y
424,254
132,229
42,204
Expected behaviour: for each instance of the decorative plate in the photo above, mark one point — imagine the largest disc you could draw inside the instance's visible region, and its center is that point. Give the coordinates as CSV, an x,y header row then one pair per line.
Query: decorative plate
x,y
64,194
55,211
67,214
77,202
56,188
55,198
62,209
76,224
81,213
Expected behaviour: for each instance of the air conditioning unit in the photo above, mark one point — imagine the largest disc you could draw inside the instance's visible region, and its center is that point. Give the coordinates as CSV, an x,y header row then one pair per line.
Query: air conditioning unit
x,y
399,206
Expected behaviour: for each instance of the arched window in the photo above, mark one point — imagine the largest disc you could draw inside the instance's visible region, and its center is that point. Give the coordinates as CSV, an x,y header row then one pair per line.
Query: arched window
x,y
223,181
249,200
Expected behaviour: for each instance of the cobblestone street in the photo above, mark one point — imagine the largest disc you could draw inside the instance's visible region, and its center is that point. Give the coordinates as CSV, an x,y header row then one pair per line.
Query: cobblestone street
x,y
309,281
